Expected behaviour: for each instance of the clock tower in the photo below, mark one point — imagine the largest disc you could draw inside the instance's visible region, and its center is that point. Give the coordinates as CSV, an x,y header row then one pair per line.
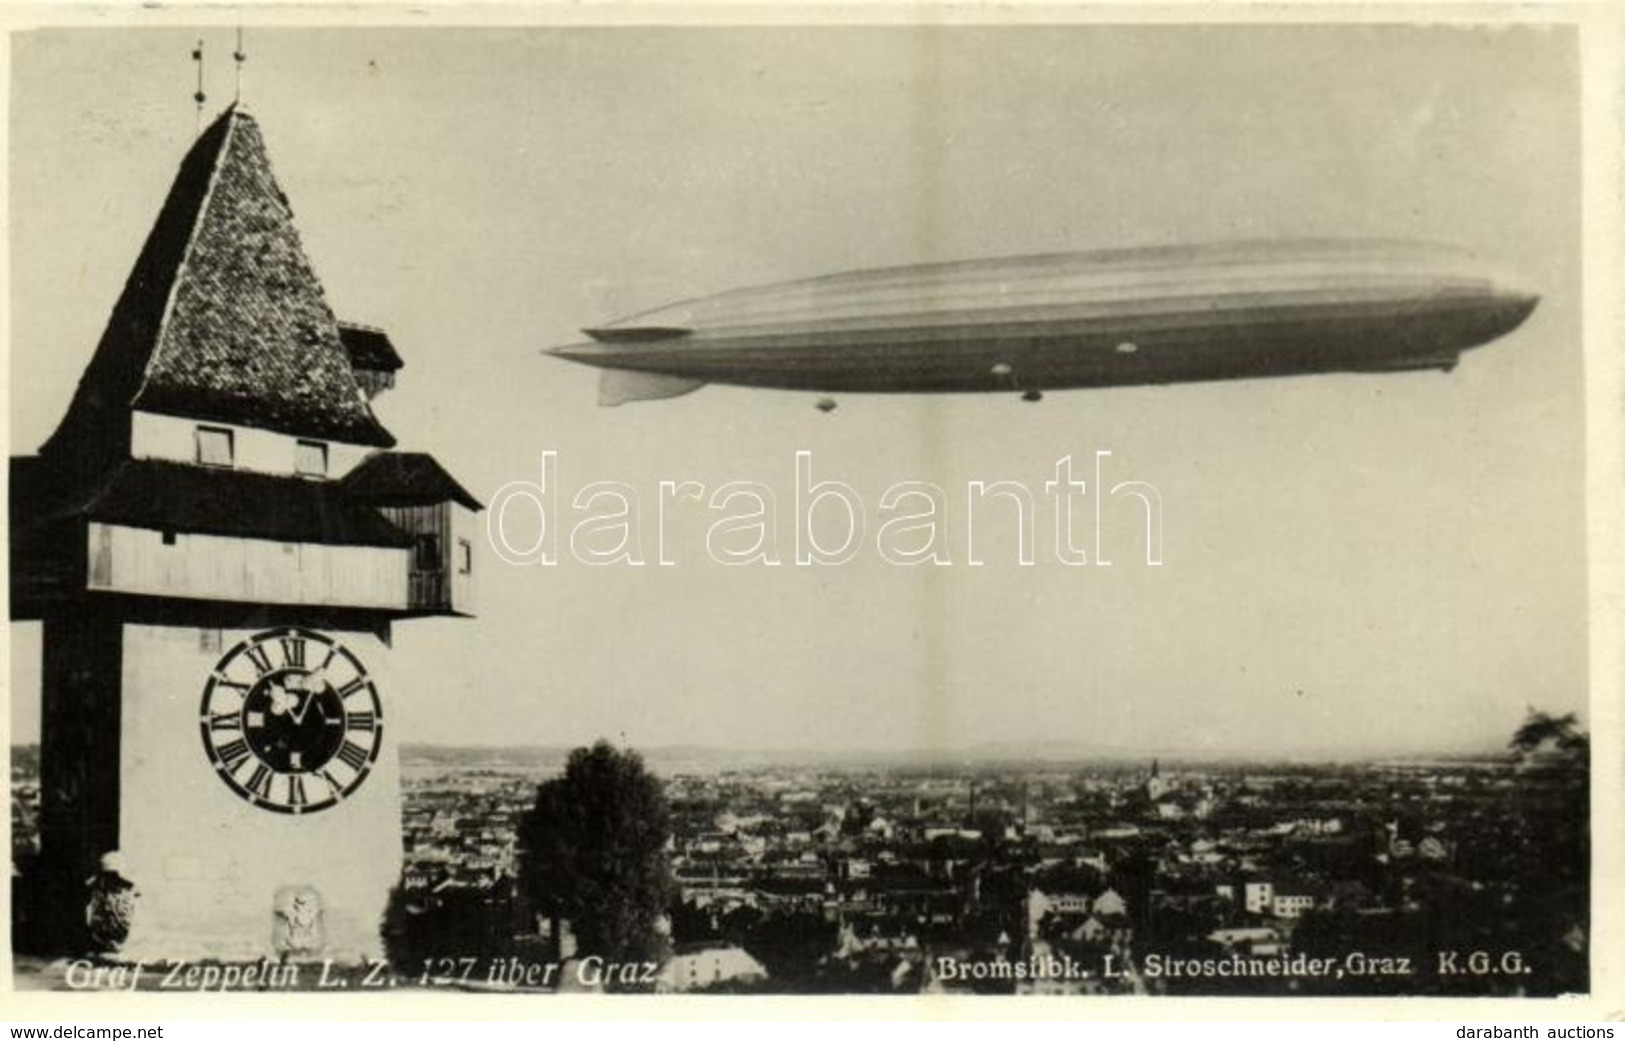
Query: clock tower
x,y
217,541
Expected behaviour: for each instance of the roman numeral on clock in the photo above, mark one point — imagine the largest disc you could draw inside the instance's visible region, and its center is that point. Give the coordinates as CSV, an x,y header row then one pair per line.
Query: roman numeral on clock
x,y
225,721
296,790
352,687
259,782
232,754
293,651
261,660
360,721
353,755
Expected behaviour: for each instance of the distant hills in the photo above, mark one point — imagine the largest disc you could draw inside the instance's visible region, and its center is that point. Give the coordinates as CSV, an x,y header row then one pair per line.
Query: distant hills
x,y
988,756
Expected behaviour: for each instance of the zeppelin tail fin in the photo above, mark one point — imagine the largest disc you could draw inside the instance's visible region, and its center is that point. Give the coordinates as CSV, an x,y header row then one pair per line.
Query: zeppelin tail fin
x,y
618,386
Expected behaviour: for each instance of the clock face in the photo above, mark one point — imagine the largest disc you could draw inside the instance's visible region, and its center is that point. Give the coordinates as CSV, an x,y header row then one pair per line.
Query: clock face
x,y
291,721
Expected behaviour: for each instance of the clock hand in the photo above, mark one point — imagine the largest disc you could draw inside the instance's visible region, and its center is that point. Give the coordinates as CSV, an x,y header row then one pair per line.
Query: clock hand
x,y
306,698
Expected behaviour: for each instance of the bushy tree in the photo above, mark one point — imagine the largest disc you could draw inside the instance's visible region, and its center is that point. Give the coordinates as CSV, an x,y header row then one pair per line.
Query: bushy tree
x,y
792,946
1550,849
593,851
1558,736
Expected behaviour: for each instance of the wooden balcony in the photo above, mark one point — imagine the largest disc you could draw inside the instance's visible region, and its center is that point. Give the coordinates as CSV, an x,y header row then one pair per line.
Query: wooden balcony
x,y
428,591
184,566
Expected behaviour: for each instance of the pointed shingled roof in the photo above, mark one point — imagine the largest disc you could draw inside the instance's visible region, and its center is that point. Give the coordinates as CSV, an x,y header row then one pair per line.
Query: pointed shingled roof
x,y
222,318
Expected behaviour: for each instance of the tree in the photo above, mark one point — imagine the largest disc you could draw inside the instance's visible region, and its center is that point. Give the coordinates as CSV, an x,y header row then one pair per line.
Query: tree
x,y
791,947
1554,758
593,851
990,823
1547,852
1558,736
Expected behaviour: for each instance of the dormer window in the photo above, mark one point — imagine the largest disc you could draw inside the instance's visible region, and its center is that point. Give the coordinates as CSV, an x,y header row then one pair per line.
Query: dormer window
x,y
310,459
214,446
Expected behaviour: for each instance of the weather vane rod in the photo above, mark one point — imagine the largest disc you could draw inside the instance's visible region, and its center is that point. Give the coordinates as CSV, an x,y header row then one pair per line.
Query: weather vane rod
x,y
199,96
239,56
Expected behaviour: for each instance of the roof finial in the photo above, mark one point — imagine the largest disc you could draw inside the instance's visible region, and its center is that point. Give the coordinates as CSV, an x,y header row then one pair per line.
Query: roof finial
x,y
199,96
239,56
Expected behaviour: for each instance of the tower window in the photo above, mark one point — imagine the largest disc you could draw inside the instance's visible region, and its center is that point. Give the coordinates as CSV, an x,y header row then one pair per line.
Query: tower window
x,y
465,557
214,446
310,458
428,553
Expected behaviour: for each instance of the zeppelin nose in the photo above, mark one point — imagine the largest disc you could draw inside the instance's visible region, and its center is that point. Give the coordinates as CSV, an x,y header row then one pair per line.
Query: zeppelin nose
x,y
1520,297
1512,297
1514,303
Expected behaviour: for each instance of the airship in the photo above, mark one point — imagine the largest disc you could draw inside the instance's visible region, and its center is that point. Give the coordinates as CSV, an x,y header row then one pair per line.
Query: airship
x,y
1031,324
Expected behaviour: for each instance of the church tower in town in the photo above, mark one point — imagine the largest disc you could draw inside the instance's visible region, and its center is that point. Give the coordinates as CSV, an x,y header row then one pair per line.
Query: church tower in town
x,y
216,541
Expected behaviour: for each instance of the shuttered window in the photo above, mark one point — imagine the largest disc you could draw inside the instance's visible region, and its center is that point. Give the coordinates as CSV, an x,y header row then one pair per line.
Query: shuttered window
x,y
214,446
310,459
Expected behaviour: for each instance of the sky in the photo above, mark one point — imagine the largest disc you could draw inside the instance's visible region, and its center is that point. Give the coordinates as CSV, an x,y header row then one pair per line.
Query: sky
x,y
1352,565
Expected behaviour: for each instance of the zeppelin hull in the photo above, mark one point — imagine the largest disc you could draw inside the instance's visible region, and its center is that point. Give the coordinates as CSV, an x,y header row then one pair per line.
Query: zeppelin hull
x,y
1079,320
